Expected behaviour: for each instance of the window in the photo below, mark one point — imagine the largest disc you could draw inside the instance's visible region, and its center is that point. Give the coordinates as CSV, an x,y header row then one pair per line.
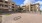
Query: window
x,y
31,5
31,8
6,5
1,5
12,9
6,2
12,6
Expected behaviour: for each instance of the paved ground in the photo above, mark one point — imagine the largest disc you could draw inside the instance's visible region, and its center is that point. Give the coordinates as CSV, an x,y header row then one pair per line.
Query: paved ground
x,y
0,18
22,18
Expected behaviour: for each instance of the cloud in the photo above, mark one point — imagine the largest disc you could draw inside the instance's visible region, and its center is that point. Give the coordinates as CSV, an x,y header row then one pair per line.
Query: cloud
x,y
39,2
28,1
21,4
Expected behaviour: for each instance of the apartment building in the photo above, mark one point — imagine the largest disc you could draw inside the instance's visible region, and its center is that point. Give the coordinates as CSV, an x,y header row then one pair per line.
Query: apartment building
x,y
31,7
6,5
35,7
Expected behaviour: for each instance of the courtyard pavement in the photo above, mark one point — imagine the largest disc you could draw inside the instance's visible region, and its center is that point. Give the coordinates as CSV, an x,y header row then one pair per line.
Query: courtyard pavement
x,y
22,18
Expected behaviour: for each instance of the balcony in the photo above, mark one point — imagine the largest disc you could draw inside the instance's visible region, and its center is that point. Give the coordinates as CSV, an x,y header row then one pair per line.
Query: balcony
x,y
4,7
4,3
1,2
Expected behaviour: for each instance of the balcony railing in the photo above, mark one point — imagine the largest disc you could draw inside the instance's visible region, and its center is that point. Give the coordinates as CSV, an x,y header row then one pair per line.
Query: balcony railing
x,y
1,2
3,7
4,3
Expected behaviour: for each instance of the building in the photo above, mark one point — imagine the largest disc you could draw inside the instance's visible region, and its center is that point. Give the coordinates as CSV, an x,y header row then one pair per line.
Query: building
x,y
35,7
31,7
6,5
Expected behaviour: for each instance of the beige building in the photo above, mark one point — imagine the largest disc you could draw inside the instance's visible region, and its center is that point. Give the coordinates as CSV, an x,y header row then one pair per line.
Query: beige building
x,y
31,7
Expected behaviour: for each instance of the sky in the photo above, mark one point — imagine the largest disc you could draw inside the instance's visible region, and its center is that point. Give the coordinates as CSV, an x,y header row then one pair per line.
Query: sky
x,y
21,2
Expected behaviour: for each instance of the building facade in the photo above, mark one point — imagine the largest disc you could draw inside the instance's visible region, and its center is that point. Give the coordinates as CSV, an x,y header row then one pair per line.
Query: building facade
x,y
31,7
6,5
